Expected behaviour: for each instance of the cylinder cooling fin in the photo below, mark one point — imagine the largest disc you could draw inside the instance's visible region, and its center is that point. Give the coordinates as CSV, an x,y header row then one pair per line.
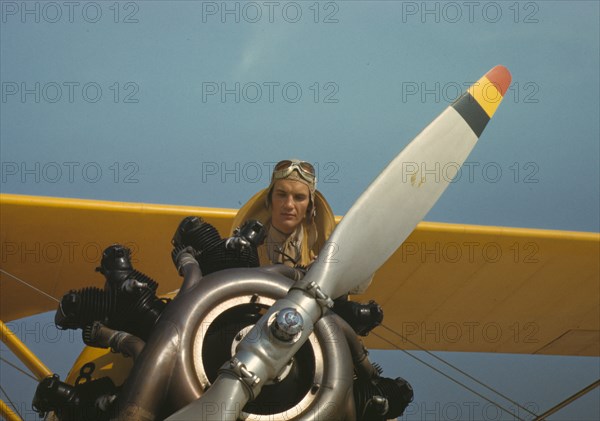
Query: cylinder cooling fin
x,y
210,249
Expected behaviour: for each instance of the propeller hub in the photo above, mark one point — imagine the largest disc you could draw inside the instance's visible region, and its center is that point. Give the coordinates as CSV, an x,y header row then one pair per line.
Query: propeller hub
x,y
287,325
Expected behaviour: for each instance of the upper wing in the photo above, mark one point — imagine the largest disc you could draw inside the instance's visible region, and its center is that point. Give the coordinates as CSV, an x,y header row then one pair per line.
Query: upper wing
x,y
448,287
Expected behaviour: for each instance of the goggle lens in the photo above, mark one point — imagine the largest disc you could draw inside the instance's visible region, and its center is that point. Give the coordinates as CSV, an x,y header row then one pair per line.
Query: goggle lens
x,y
304,166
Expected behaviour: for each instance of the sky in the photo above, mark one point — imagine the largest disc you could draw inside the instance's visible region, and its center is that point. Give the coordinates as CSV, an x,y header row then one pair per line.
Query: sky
x,y
192,102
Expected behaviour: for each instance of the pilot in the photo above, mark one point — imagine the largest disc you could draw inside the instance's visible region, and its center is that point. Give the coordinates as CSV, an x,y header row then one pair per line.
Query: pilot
x,y
296,216
298,220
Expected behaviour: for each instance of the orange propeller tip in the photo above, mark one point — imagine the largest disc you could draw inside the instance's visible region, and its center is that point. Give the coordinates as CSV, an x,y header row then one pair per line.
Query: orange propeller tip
x,y
500,77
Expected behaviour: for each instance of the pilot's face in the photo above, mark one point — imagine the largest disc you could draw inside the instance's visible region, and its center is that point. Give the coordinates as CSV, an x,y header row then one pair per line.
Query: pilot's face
x,y
289,202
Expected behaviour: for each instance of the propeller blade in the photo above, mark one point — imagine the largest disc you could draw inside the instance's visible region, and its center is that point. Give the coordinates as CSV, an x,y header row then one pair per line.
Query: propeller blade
x,y
400,197
376,225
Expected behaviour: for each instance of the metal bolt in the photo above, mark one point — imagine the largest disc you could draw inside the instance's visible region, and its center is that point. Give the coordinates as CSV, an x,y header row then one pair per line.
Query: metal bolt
x,y
290,321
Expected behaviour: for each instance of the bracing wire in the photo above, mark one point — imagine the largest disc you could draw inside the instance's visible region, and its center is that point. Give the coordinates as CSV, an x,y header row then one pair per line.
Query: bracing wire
x,y
450,378
18,368
464,373
11,402
8,362
29,285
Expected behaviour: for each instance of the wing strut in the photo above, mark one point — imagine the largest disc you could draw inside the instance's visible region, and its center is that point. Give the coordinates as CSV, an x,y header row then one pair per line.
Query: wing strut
x,y
33,363
8,413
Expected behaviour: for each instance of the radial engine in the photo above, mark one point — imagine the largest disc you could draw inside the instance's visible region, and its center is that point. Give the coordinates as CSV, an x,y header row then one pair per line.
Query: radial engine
x,y
178,345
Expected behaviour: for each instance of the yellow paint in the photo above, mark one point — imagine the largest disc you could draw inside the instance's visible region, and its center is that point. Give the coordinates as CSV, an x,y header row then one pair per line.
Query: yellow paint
x,y
491,289
8,413
55,244
105,364
487,95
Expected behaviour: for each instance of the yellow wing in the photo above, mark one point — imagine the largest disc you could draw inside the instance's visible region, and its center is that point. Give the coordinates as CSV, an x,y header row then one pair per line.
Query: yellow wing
x,y
492,289
449,287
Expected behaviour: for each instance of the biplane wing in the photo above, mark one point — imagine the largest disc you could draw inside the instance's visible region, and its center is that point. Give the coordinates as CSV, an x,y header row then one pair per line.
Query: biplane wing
x,y
447,288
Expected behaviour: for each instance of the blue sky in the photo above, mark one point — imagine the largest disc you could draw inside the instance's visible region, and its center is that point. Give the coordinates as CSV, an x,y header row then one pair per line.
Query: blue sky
x,y
191,102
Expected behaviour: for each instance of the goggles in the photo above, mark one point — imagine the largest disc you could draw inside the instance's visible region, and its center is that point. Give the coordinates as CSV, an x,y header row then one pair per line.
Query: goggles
x,y
284,168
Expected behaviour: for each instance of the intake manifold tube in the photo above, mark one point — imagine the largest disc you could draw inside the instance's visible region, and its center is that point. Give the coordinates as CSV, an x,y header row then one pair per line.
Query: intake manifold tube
x,y
100,336
360,355
188,267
